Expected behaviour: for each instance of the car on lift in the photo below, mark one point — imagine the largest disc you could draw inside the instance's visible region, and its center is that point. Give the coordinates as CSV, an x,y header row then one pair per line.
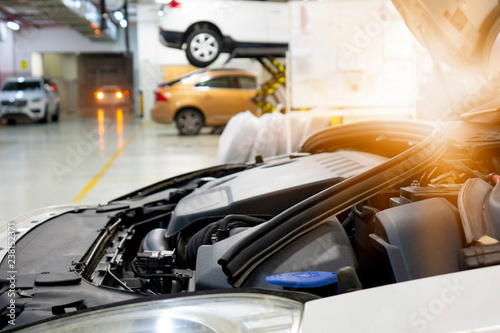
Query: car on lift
x,y
35,98
205,28
380,226
207,97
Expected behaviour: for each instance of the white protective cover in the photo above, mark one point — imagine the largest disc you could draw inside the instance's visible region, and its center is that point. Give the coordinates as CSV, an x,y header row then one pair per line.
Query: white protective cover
x,y
236,140
246,136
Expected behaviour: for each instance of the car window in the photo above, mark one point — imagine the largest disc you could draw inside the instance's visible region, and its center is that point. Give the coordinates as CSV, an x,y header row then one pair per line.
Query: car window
x,y
218,82
25,85
247,82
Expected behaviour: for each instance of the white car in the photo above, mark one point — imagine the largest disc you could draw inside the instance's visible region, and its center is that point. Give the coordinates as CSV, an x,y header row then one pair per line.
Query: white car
x,y
205,28
29,97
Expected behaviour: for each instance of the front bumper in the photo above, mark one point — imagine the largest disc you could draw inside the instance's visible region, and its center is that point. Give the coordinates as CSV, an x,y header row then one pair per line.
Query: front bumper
x,y
32,110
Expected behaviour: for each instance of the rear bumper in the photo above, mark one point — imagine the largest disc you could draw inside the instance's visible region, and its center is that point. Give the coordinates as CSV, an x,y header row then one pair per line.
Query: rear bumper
x,y
171,38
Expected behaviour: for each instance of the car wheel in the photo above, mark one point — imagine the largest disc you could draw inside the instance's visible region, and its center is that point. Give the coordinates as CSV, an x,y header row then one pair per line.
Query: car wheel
x,y
11,121
45,118
203,46
55,116
189,122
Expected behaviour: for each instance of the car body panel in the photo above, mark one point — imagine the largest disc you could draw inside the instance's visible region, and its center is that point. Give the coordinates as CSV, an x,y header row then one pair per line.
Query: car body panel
x,y
457,302
278,21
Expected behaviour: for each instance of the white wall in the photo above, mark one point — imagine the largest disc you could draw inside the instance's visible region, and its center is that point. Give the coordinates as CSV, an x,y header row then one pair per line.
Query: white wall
x,y
351,54
6,52
58,40
36,64
152,55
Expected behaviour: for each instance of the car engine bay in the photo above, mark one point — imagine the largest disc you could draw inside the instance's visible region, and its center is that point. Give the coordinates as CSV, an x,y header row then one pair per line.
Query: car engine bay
x,y
375,203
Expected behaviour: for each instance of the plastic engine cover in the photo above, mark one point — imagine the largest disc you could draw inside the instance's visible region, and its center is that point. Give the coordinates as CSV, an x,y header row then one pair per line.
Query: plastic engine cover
x,y
271,188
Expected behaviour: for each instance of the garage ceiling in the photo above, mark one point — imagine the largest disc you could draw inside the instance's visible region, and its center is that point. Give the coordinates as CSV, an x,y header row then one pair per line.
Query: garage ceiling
x,y
80,15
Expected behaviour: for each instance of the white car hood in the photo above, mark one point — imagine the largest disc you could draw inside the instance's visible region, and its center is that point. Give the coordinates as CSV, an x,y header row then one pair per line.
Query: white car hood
x,y
8,95
460,302
458,32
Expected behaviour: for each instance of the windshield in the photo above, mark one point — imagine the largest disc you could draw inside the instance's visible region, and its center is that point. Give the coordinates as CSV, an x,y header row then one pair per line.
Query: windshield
x,y
25,85
187,76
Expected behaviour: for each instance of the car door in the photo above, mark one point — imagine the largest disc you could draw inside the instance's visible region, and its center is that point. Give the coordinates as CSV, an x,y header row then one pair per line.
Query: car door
x,y
242,20
277,20
219,98
247,89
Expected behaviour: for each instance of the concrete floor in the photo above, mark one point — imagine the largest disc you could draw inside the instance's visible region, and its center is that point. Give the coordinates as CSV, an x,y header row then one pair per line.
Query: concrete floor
x,y
92,158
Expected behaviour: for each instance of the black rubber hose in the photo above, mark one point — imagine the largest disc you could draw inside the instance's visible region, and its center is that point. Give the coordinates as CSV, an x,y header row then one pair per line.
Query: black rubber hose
x,y
204,236
240,218
241,259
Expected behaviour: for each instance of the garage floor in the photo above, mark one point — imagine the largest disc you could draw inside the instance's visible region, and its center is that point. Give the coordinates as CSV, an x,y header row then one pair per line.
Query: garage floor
x,y
92,159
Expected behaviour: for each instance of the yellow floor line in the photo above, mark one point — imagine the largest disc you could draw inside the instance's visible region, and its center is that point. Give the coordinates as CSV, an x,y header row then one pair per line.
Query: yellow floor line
x,y
83,193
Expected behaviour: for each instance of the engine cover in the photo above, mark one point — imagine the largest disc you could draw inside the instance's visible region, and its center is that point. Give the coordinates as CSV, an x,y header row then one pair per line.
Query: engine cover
x,y
271,188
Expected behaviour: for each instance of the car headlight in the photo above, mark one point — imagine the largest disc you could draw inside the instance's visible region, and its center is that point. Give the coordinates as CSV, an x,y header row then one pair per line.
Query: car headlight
x,y
201,314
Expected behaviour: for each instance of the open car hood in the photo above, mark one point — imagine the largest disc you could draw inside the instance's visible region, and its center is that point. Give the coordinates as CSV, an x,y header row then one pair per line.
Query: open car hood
x,y
458,32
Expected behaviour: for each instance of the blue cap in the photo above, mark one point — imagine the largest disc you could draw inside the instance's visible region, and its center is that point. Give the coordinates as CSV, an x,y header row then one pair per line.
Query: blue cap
x,y
303,279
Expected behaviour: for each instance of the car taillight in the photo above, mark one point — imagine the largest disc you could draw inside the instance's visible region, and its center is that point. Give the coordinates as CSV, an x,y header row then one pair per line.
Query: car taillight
x,y
174,4
53,87
160,96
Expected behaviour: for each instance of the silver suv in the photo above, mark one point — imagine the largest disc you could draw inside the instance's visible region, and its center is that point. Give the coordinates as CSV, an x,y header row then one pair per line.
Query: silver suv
x,y
29,97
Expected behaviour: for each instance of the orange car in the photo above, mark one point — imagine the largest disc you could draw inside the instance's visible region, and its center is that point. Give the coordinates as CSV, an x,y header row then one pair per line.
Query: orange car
x,y
206,97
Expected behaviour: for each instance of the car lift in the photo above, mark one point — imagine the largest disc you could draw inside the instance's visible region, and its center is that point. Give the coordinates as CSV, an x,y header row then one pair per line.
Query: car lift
x,y
272,94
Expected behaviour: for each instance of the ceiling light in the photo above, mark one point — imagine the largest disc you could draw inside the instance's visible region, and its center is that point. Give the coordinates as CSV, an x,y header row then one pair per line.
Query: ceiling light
x,y
123,23
118,15
13,25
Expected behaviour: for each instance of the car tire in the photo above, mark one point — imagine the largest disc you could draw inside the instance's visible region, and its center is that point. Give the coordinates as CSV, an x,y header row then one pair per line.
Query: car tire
x,y
45,117
203,47
11,122
55,116
189,121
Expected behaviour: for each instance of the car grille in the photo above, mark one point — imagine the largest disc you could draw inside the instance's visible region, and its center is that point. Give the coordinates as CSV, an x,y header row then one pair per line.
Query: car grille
x,y
19,102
